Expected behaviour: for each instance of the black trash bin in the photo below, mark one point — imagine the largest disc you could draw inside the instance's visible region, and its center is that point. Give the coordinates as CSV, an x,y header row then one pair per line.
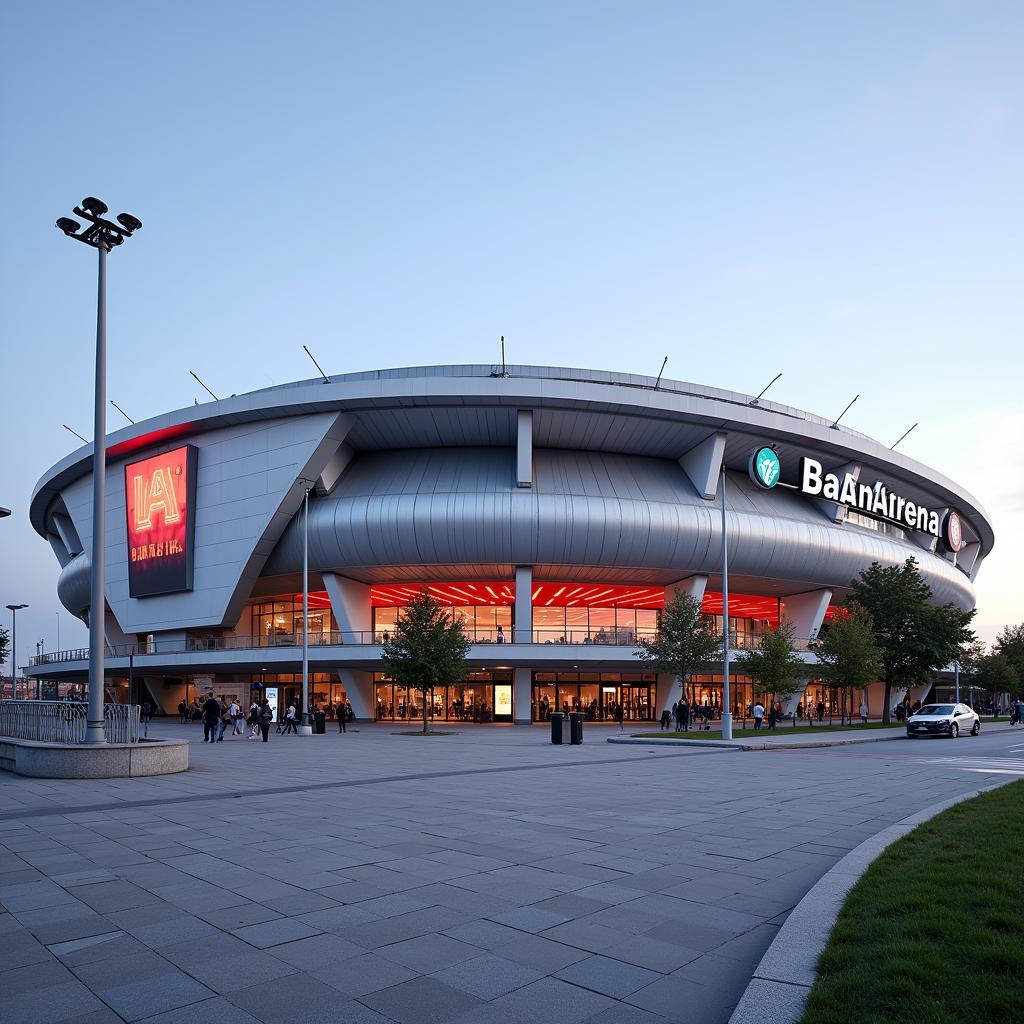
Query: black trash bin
x,y
319,723
575,728
556,726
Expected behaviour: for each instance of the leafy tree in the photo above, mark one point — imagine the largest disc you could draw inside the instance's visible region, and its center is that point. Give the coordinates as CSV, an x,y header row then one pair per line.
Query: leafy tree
x,y
916,638
1010,644
686,640
995,674
847,656
427,648
773,665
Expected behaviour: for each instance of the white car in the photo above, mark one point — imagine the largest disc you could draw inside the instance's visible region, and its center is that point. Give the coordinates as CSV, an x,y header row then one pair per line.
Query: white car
x,y
943,720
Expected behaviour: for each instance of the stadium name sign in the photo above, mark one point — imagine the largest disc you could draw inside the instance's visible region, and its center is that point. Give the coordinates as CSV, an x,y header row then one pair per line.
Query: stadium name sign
x,y
874,500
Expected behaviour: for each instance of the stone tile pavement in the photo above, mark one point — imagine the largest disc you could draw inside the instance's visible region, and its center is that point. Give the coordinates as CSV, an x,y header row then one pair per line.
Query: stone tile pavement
x,y
481,877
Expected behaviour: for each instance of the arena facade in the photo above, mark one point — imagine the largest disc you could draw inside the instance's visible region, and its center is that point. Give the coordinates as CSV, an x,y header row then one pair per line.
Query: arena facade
x,y
552,509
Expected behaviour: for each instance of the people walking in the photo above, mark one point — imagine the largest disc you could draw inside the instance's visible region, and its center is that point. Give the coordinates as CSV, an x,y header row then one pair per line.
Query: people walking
x,y
289,721
211,717
863,713
342,717
666,720
684,715
266,716
758,715
222,721
235,714
182,712
253,721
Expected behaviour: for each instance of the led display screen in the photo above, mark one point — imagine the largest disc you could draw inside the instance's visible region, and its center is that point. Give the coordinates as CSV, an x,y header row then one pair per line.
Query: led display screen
x,y
160,503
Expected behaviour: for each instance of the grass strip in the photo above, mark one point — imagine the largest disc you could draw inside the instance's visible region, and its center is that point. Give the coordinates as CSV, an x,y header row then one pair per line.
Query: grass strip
x,y
933,933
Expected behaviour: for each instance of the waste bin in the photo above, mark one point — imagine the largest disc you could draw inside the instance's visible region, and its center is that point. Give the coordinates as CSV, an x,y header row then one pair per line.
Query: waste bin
x,y
556,726
575,728
319,723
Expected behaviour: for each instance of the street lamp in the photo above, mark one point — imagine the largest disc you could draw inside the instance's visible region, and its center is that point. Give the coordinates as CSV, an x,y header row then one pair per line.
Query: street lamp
x,y
102,235
14,608
4,513
726,696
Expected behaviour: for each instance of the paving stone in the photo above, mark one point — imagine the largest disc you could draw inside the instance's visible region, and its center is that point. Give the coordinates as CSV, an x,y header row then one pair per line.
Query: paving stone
x,y
488,976
210,1011
609,977
359,975
421,1001
550,1001
317,951
429,953
530,919
274,933
301,998
145,998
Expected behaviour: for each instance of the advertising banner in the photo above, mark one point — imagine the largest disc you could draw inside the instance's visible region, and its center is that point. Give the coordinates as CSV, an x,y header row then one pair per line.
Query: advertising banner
x,y
160,503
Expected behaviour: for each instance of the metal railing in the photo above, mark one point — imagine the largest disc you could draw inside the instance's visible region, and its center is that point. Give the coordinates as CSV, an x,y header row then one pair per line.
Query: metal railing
x,y
64,721
738,640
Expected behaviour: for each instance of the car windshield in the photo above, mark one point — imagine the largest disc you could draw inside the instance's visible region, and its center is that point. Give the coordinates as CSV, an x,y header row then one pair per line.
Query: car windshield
x,y
936,709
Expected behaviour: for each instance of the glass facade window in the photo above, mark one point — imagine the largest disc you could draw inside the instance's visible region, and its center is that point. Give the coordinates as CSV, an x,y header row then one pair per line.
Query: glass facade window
x,y
278,622
593,625
484,624
596,695
480,697
325,692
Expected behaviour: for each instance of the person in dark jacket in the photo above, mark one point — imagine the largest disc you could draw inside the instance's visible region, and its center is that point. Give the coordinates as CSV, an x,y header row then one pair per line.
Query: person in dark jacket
x,y
266,716
211,719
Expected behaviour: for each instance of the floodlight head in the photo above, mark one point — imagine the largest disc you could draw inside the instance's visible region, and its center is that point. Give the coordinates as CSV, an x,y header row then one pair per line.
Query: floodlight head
x,y
128,222
94,206
112,238
67,225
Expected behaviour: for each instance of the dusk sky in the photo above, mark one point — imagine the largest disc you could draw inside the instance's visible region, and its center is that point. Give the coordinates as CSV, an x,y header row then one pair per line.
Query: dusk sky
x,y
832,191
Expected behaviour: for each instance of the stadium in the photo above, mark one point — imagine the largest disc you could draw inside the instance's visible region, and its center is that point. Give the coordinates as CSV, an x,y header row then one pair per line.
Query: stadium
x,y
552,509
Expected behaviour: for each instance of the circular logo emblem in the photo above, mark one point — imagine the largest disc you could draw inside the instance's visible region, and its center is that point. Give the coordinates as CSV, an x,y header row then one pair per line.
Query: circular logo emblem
x,y
952,532
765,468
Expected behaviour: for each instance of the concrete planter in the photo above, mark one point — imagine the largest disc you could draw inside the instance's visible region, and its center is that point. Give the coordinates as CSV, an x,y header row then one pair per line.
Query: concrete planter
x,y
110,761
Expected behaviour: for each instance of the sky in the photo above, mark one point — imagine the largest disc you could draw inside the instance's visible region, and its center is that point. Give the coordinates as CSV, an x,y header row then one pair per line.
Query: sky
x,y
832,191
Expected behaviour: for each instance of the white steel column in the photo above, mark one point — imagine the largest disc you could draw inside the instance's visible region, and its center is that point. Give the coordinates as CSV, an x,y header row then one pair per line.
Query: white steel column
x,y
524,604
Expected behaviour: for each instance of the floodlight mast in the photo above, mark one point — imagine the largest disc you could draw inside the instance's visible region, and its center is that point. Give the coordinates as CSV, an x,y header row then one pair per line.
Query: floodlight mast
x,y
102,235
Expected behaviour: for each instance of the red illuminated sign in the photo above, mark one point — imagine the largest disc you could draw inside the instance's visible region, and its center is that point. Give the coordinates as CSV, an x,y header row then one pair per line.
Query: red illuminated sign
x,y
160,500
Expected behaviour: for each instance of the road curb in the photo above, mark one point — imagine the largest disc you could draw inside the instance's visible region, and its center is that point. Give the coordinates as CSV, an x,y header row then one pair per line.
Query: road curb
x,y
781,982
839,740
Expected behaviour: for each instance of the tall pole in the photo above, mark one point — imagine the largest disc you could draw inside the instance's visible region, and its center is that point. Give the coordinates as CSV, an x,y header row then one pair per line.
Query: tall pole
x,y
97,604
726,702
306,728
14,653
956,676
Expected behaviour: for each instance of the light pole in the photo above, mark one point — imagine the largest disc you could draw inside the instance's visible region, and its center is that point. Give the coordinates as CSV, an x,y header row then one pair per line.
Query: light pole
x,y
103,235
726,703
14,608
305,728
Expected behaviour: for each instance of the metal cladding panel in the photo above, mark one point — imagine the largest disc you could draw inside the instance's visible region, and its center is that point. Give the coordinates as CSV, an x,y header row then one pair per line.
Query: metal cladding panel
x,y
608,513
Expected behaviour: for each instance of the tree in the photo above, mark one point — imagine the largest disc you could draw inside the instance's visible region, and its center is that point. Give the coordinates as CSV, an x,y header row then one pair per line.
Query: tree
x,y
847,656
773,665
1010,644
995,674
428,648
916,638
686,640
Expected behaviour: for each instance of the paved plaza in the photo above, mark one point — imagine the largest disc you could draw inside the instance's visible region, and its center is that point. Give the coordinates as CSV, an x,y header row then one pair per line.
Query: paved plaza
x,y
480,877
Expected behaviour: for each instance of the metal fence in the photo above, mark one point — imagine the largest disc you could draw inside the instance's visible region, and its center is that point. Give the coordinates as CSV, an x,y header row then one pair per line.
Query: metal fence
x,y
739,640
64,721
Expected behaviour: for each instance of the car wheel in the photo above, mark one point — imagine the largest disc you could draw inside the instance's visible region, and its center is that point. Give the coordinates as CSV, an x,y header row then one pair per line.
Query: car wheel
x,y
954,730
976,728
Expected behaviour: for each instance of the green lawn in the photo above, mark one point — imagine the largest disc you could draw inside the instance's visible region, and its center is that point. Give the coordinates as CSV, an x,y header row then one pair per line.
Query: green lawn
x,y
934,931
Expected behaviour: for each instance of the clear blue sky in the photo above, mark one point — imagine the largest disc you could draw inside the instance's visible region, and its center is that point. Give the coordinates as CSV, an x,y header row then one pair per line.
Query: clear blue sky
x,y
830,190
